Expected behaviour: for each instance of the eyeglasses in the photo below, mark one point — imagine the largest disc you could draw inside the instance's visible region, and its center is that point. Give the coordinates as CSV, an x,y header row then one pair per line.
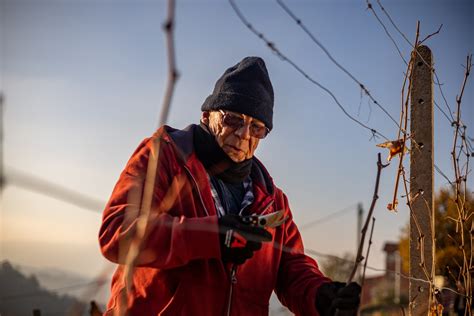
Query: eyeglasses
x,y
235,122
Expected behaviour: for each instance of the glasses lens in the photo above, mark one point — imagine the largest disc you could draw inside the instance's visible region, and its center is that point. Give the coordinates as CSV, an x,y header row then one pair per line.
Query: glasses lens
x,y
258,131
232,121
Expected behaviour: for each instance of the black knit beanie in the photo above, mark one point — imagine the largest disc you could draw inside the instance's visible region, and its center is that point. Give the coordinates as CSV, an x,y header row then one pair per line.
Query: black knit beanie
x,y
244,88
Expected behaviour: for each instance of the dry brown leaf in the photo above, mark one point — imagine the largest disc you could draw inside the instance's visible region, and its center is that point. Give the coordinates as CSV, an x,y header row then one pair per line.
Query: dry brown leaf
x,y
394,147
392,207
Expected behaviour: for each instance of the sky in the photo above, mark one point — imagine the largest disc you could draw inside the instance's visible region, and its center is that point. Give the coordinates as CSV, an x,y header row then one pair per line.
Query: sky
x,y
83,82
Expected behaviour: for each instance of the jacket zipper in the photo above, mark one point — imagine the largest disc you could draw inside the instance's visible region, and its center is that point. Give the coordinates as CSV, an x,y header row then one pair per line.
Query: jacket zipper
x,y
197,189
233,271
233,280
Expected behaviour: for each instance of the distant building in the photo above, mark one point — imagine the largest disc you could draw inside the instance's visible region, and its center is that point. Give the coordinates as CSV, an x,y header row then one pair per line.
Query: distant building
x,y
386,293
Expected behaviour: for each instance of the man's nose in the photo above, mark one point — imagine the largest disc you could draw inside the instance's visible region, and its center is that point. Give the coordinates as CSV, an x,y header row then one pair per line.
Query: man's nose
x,y
243,132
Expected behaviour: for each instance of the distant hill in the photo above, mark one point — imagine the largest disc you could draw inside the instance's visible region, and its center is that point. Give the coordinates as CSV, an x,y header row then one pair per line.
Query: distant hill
x,y
69,283
20,295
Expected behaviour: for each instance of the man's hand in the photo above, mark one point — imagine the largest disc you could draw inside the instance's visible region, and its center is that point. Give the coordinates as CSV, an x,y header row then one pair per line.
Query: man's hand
x,y
337,296
240,240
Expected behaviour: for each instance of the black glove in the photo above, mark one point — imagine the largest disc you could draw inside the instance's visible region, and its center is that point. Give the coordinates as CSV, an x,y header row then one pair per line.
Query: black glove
x,y
338,296
239,240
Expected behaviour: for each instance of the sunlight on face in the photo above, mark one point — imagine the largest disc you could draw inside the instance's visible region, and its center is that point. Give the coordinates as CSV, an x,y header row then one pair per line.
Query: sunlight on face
x,y
237,143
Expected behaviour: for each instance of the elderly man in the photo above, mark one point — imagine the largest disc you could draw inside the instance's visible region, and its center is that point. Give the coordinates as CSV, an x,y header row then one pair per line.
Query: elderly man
x,y
204,251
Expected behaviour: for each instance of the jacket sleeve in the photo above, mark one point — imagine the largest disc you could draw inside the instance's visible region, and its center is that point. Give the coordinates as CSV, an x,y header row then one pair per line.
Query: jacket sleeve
x,y
299,276
169,241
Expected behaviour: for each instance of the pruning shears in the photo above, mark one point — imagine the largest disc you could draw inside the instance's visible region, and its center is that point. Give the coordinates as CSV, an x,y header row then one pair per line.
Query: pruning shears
x,y
271,220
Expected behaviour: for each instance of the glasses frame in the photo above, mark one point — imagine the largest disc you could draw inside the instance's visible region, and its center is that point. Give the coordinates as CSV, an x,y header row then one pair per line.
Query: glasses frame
x,y
224,113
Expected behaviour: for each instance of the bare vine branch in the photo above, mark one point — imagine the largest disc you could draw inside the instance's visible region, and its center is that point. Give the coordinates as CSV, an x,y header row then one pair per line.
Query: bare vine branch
x,y
367,253
173,75
134,246
460,192
403,126
432,34
375,197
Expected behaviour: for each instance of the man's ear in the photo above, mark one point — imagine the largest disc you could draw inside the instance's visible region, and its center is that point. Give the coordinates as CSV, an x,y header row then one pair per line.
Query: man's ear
x,y
205,117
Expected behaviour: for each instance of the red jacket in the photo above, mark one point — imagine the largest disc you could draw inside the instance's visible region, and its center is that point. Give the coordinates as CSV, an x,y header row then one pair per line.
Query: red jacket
x,y
179,270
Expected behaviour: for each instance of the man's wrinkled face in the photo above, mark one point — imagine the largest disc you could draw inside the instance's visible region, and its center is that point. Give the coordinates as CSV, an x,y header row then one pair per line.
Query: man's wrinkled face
x,y
237,143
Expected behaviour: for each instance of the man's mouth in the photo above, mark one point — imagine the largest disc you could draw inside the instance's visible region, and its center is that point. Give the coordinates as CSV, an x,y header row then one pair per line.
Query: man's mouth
x,y
234,147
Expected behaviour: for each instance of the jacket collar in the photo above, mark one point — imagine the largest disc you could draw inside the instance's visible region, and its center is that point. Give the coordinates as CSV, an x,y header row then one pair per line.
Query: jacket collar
x,y
182,139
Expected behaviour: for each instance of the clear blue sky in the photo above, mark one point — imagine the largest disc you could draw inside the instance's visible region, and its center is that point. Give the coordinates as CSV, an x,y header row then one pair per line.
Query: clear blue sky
x,y
84,81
